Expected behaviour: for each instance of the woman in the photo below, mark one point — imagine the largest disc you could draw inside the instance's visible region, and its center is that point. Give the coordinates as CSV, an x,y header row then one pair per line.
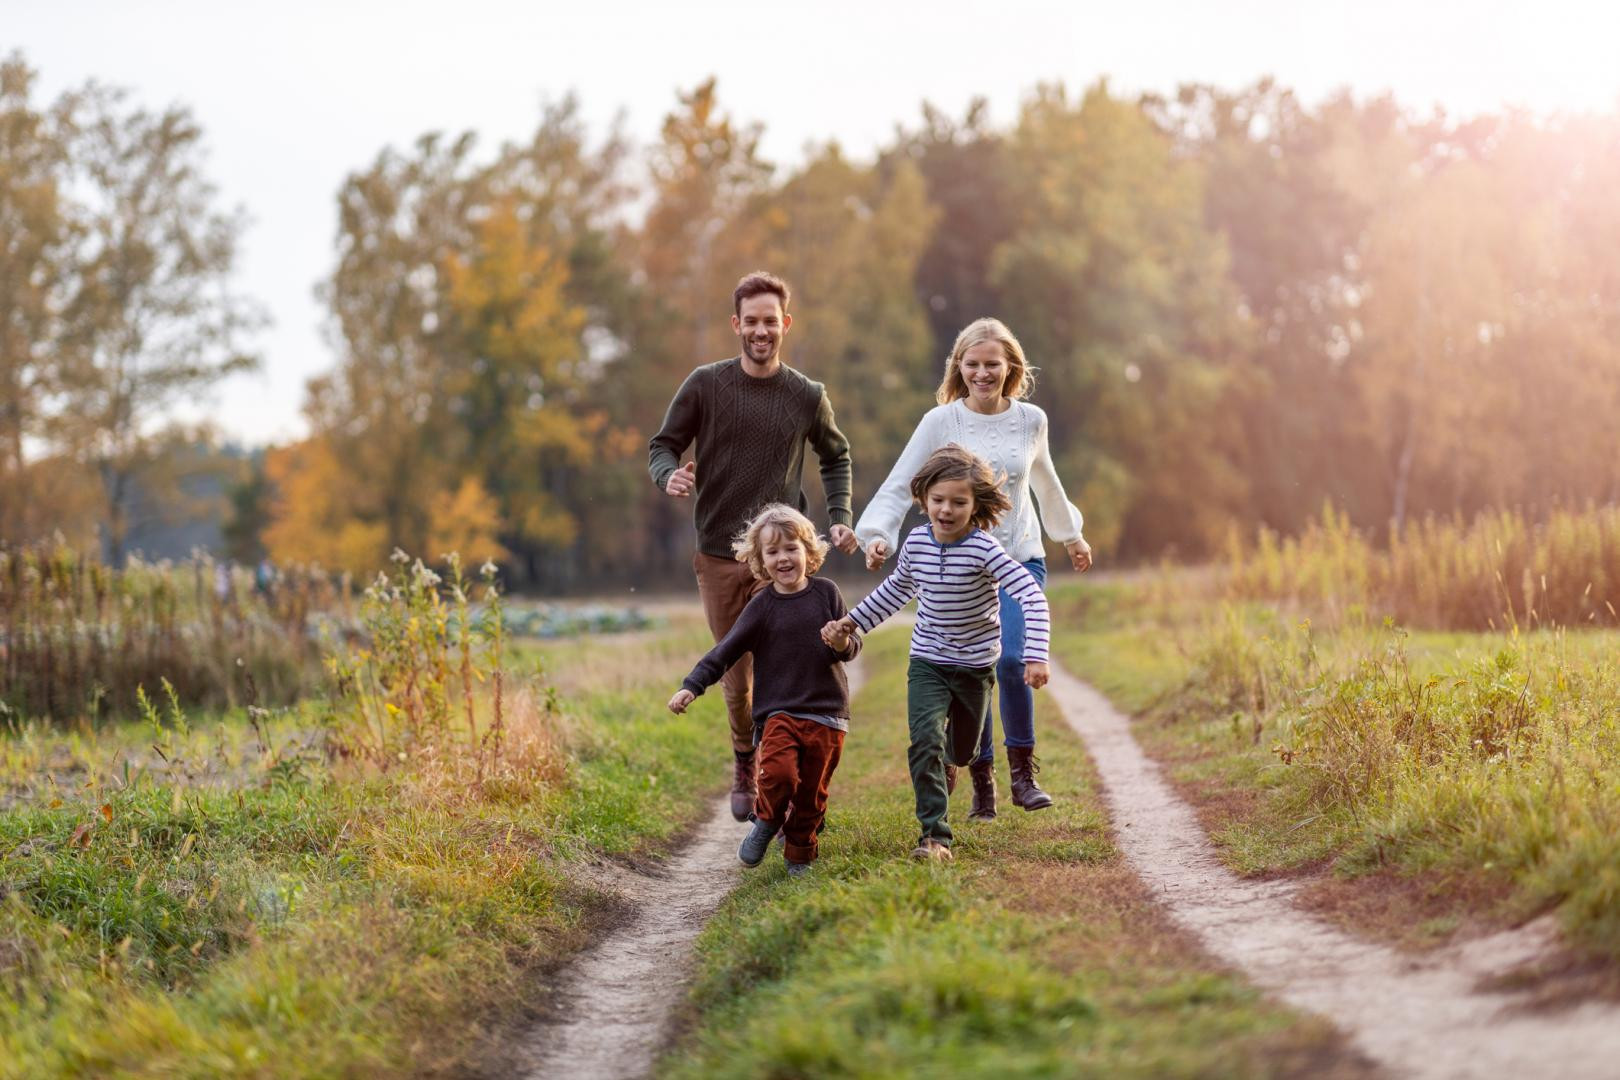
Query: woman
x,y
981,408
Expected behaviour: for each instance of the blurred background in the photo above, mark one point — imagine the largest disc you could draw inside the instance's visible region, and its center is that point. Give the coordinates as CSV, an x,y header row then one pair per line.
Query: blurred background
x,y
304,286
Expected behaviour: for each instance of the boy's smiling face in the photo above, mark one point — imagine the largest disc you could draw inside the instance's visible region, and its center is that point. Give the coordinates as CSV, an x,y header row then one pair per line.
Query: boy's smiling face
x,y
949,506
785,559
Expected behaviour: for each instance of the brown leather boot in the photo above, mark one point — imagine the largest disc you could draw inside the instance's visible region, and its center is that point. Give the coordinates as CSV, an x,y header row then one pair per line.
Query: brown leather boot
x,y
950,779
744,786
1025,791
984,791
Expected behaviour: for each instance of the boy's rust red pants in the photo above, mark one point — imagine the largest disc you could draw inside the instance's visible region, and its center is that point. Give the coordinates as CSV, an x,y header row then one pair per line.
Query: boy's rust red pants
x,y
796,762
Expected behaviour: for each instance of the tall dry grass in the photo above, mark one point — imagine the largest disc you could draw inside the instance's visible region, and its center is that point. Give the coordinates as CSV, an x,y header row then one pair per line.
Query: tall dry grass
x,y
78,637
1500,570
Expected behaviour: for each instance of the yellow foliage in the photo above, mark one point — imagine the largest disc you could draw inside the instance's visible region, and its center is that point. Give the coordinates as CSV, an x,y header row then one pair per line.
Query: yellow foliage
x,y
311,520
466,520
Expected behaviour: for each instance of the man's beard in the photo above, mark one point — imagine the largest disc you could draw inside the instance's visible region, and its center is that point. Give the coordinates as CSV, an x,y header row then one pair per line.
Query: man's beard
x,y
774,345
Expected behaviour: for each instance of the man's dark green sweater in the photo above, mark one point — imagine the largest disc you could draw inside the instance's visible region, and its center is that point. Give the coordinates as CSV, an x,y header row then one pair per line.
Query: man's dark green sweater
x,y
750,435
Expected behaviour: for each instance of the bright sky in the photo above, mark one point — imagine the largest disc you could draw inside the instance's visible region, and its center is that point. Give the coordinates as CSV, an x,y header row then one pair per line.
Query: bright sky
x,y
294,95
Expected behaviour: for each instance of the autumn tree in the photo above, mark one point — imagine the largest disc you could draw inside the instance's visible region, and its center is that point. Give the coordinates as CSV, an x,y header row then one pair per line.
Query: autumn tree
x,y
1120,294
151,321
849,239
37,234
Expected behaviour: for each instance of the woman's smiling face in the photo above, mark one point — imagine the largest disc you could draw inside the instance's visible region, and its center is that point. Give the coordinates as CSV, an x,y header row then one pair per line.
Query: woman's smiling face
x,y
984,370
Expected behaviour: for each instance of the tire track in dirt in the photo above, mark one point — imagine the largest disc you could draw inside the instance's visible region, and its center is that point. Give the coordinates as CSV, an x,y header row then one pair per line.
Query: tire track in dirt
x,y
616,1003
1419,1016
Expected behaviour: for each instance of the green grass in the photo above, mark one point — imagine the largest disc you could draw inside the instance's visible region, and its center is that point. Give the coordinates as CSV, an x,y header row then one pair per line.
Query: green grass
x,y
1036,953
229,913
1483,766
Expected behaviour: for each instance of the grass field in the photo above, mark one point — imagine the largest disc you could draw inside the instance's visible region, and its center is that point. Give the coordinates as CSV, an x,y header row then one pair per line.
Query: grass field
x,y
1448,779
219,909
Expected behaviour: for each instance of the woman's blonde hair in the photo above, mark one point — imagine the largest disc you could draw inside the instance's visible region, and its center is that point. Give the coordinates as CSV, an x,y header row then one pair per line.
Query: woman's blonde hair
x,y
1020,378
749,545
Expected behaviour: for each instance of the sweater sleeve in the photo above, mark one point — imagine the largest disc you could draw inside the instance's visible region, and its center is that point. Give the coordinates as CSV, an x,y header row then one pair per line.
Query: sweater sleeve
x,y
681,422
718,660
884,514
890,596
837,473
1023,587
1059,517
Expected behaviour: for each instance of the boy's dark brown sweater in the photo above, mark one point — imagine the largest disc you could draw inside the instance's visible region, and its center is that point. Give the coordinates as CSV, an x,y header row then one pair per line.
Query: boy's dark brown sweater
x,y
794,671
750,436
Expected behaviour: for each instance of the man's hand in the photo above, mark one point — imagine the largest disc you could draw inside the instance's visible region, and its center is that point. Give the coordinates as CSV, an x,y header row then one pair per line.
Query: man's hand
x,y
843,538
683,697
876,552
683,481
1079,553
835,635
1036,674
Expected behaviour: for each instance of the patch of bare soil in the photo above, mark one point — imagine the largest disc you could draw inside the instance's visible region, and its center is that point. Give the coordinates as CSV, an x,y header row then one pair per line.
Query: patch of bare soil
x,y
615,1008
1459,1011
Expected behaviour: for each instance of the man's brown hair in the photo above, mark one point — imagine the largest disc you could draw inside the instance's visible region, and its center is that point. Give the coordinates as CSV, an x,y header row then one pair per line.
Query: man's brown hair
x,y
952,462
756,284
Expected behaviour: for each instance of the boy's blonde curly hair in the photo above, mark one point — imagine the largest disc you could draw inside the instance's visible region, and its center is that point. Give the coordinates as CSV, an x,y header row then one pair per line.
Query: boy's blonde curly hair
x,y
749,545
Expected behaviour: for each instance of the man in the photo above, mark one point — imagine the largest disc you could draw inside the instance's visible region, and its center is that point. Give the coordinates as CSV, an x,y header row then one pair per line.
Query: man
x,y
750,417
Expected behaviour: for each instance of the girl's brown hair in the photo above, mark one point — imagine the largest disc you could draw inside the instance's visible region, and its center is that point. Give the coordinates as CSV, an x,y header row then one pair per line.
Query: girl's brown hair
x,y
1020,378
952,462
749,546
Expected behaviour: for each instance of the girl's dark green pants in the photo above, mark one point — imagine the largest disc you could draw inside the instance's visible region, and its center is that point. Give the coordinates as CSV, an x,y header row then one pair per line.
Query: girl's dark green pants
x,y
946,708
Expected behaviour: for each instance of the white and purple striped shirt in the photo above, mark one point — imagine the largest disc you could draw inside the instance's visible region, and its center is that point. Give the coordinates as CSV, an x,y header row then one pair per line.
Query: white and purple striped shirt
x,y
958,615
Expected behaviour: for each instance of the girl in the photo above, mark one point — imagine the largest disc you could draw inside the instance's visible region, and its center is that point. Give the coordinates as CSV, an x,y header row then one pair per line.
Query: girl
x,y
954,567
981,408
801,696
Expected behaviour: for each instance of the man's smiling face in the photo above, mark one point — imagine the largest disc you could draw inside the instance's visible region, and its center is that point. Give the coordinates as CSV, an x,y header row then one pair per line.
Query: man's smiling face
x,y
761,324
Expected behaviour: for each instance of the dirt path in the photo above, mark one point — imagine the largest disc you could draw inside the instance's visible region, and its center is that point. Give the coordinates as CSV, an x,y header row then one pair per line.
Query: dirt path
x,y
1418,1016
617,1001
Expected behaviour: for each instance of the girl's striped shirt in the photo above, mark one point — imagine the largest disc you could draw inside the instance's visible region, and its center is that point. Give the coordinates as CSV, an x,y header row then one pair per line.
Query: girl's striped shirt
x,y
958,616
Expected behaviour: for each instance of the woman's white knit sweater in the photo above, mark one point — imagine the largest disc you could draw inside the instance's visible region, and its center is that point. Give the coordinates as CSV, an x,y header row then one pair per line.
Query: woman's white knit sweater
x,y
1013,442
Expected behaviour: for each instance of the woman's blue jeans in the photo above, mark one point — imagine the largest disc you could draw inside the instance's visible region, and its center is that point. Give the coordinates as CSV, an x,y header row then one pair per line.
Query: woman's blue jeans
x,y
1017,700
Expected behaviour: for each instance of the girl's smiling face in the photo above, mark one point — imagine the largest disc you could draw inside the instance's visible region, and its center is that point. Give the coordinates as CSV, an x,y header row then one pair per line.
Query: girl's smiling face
x,y
949,506
785,559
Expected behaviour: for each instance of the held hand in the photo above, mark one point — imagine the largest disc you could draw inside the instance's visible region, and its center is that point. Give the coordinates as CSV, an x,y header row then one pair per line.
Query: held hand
x,y
835,635
1035,674
683,697
876,552
683,481
843,538
1079,553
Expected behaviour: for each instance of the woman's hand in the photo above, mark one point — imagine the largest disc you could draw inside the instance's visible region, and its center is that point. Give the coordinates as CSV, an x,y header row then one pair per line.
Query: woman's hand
x,y
683,697
1079,553
1035,674
876,552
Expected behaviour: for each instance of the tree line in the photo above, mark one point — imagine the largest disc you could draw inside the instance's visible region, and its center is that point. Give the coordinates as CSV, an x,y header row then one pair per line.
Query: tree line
x,y
1242,307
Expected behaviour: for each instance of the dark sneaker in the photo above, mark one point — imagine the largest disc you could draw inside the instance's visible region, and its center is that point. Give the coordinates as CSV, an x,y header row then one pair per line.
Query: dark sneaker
x,y
757,843
798,869
931,850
